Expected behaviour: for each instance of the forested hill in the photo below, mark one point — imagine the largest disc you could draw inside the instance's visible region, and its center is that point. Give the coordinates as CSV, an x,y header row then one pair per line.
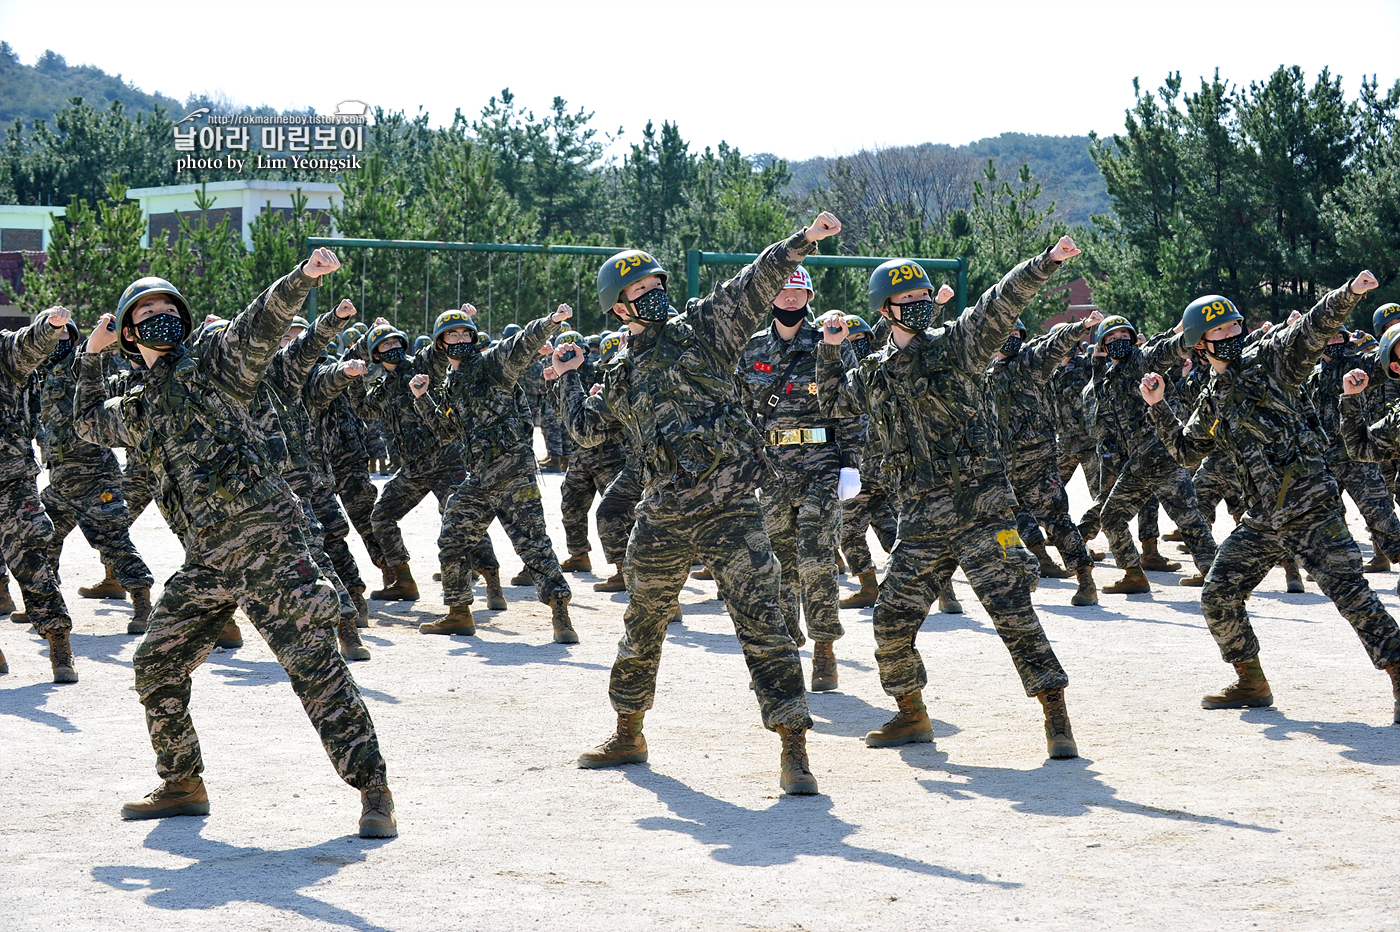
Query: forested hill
x,y
1060,163
40,90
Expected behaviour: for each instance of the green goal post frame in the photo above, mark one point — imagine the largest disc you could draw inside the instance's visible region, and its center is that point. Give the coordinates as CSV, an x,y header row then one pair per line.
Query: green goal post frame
x,y
695,258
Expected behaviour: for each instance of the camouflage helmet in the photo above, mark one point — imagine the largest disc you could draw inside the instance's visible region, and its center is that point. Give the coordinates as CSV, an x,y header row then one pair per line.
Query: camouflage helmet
x,y
1385,354
1111,323
360,327
1385,315
1206,313
622,270
378,335
142,288
896,277
569,336
1365,343
511,330
453,320
857,327
609,346
594,341
421,341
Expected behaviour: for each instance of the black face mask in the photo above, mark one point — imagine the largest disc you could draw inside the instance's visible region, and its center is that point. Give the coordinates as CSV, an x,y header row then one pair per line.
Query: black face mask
x,y
1228,349
61,351
393,357
790,318
458,350
652,307
1012,346
1119,349
862,347
914,316
161,332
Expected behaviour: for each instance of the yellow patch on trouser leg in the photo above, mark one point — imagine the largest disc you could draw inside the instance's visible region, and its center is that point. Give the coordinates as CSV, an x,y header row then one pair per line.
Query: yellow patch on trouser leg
x,y
1009,538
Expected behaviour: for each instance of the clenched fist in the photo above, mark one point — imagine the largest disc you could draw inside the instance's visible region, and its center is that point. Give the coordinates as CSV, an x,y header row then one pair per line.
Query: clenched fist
x,y
1354,382
825,225
59,317
101,337
1364,282
1153,388
419,385
1064,249
322,262
355,368
345,309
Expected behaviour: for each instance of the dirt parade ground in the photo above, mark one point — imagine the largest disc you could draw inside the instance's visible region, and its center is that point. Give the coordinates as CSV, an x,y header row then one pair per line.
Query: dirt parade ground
x,y
1173,818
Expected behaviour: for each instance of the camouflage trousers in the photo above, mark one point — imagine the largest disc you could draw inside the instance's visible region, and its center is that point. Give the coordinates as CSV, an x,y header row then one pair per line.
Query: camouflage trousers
x,y
25,538
136,487
803,517
470,509
336,531
556,439
314,536
1090,525
591,471
1036,481
90,497
261,564
1325,548
401,495
1171,484
617,512
1215,482
358,495
1366,485
873,507
731,540
1001,571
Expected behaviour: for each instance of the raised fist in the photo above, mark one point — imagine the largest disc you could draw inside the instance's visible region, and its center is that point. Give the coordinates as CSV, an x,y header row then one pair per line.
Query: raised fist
x,y
1153,388
419,385
322,262
1092,320
834,329
59,317
1355,381
355,368
1064,249
945,294
101,337
550,373
562,365
469,310
345,309
381,322
825,225
1364,282
562,314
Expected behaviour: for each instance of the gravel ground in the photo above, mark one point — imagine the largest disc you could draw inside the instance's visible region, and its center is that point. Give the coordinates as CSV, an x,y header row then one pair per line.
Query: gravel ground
x,y
1174,817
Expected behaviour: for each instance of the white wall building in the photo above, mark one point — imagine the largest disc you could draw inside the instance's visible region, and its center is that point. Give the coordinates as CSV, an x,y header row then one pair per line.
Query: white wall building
x,y
26,229
241,201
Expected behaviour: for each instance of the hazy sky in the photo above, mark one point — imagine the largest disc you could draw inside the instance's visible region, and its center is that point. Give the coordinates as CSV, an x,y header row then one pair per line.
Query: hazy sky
x,y
823,79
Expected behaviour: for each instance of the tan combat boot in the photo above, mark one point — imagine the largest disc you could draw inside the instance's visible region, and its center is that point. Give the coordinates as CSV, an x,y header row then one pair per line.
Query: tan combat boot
x,y
109,588
1292,578
357,597
523,578
1250,691
869,591
549,464
230,638
140,611
351,647
948,603
795,774
1195,580
1087,593
1059,738
577,563
61,658
1049,569
910,724
377,819
7,604
404,589
702,573
172,798
1133,581
824,675
19,618
458,620
627,745
563,628
614,583
1153,560
1172,536
1380,563
1393,670
495,595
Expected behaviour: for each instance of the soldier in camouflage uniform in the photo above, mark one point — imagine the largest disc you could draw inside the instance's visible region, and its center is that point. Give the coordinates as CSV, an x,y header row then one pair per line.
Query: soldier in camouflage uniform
x,y
591,471
924,396
348,447
1253,405
674,392
1386,391
1134,455
1016,383
85,487
480,404
1363,480
874,505
190,421
26,533
817,462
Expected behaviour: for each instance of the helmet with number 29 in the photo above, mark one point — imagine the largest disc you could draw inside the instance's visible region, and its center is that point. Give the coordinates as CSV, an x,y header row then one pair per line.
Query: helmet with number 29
x,y
1205,314
622,270
895,277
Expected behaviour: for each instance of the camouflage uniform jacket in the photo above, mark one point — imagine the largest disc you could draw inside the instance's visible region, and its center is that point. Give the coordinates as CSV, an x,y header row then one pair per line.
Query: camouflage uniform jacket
x,y
483,407
927,409
341,428
61,442
21,353
1366,442
591,373
1018,388
1067,405
767,358
190,422
672,388
1324,390
1255,411
1121,427
388,396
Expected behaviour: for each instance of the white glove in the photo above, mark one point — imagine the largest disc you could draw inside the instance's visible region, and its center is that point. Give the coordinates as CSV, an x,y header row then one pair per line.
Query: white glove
x,y
848,486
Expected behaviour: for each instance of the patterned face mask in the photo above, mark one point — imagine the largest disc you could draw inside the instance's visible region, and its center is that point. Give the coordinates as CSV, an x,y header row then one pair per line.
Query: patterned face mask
x,y
861,345
393,357
458,350
1119,349
160,332
916,315
62,350
652,306
1012,346
790,318
1228,349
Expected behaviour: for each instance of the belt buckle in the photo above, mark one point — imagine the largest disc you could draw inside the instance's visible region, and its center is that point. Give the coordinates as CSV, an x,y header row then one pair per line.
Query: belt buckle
x,y
787,438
